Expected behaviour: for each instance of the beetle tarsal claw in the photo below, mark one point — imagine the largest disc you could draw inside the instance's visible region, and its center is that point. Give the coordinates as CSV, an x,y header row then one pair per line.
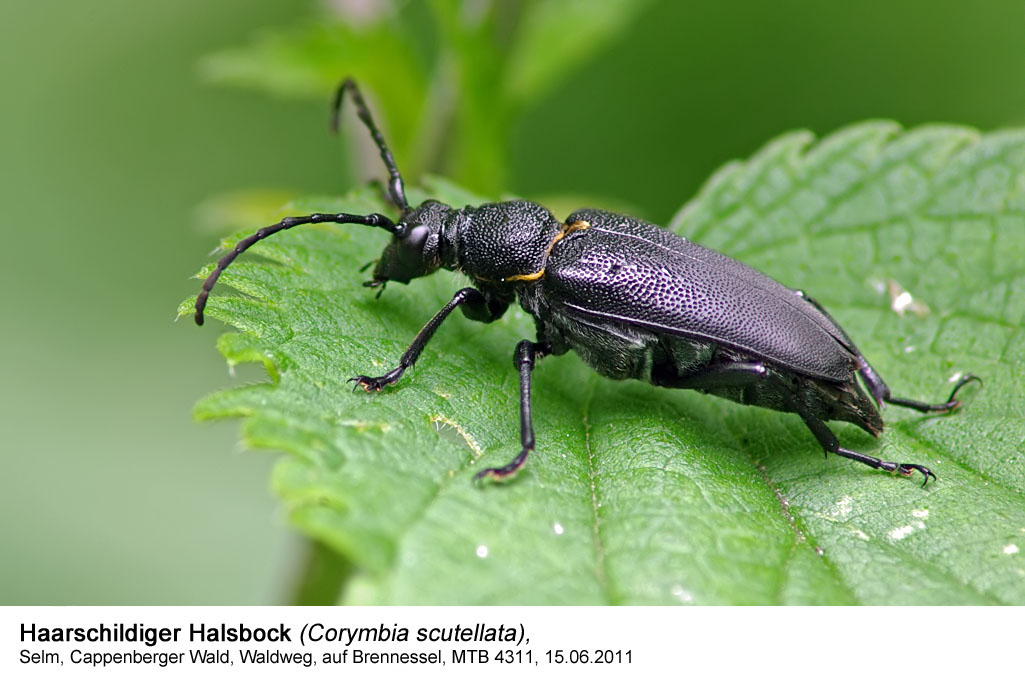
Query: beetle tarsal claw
x,y
369,384
506,471
494,474
967,379
488,473
908,468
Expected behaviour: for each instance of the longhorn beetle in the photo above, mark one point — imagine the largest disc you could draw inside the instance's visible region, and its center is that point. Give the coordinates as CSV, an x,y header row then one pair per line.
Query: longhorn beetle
x,y
633,300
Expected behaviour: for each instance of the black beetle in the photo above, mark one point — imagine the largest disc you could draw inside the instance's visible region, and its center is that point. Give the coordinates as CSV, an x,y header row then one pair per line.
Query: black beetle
x,y
633,300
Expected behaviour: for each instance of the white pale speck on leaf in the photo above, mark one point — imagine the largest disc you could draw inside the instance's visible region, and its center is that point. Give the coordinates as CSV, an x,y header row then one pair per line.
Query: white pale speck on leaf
x,y
909,349
901,531
901,300
682,595
956,376
482,551
861,534
558,529
921,514
1010,549
843,507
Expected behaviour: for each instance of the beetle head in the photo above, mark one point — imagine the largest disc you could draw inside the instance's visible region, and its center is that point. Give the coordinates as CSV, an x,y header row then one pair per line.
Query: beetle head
x,y
414,249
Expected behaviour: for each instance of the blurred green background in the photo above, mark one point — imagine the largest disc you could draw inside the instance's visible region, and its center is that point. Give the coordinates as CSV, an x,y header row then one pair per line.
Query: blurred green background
x,y
110,492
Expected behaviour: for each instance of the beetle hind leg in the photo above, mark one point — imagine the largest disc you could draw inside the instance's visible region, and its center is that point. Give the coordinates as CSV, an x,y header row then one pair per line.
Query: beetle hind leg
x,y
827,439
882,394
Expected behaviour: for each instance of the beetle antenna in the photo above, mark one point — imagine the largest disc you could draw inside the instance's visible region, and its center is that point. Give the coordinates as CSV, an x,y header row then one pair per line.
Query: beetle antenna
x,y
374,220
396,186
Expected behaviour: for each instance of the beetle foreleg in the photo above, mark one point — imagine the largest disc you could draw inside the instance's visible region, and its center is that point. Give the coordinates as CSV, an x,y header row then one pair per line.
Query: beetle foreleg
x,y
473,302
831,444
524,357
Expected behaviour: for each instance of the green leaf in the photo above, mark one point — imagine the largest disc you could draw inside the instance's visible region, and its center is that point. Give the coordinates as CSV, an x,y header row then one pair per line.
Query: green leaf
x,y
644,495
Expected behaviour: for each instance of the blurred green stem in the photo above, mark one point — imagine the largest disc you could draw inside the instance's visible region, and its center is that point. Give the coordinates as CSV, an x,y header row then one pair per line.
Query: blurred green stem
x,y
472,58
321,576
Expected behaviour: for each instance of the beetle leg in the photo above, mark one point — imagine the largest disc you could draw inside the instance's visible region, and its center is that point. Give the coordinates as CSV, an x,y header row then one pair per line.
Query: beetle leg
x,y
524,357
489,310
732,374
878,388
469,298
831,444
740,374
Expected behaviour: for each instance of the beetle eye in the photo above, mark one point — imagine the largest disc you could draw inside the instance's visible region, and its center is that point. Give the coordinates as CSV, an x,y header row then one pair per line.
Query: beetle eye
x,y
411,244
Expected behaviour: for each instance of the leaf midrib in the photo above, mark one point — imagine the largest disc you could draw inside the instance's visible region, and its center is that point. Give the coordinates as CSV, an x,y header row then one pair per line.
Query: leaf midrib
x,y
600,560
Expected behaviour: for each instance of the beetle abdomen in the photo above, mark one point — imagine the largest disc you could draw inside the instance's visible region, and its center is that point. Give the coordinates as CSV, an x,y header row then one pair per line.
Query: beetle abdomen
x,y
628,271
614,350
780,387
622,351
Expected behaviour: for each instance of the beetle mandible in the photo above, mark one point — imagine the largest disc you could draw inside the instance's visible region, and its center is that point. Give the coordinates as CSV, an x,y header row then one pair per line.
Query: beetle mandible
x,y
631,299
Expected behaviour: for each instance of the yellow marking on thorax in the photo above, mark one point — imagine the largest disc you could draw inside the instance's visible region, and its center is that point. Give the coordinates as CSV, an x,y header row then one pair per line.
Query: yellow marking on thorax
x,y
574,226
566,229
526,278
